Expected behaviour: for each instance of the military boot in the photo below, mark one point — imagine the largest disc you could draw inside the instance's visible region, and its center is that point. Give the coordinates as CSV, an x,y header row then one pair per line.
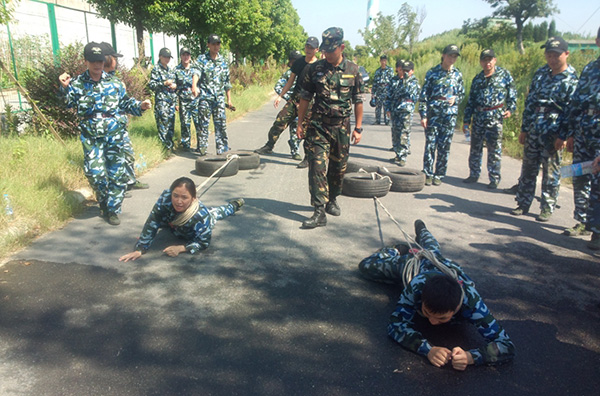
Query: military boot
x,y
594,243
318,219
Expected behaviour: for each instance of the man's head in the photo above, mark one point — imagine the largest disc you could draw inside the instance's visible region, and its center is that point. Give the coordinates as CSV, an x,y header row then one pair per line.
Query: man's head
x,y
185,55
441,299
164,55
293,57
214,44
311,46
400,68
556,52
383,61
333,45
94,58
408,67
487,60
449,55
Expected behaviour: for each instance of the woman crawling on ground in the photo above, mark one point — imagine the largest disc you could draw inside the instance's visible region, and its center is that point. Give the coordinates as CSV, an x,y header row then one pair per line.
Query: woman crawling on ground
x,y
178,209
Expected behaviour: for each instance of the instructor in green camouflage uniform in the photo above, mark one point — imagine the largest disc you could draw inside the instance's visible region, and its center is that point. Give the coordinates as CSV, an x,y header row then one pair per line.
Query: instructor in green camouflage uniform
x,y
336,84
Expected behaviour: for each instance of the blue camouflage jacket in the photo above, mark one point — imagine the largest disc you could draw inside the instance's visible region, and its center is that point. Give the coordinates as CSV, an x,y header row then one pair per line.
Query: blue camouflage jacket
x,y
214,77
499,347
381,79
439,85
196,232
183,79
584,112
402,95
546,107
491,96
281,83
101,105
158,76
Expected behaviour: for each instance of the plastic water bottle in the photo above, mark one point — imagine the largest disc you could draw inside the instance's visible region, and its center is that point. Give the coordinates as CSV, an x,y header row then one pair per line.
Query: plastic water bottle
x,y
141,163
8,210
467,133
581,168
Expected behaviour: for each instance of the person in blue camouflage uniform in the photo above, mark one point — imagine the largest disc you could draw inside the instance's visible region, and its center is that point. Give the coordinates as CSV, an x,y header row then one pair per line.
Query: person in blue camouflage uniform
x,y
593,212
178,209
101,102
110,67
188,104
381,79
294,143
438,298
336,84
493,97
442,92
544,128
215,95
162,83
402,94
583,139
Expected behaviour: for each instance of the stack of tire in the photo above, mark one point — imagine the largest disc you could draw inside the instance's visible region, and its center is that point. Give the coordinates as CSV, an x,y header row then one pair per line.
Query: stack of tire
x,y
246,160
369,181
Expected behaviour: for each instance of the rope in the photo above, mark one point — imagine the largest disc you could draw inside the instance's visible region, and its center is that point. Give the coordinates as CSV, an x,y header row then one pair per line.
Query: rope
x,y
230,157
412,266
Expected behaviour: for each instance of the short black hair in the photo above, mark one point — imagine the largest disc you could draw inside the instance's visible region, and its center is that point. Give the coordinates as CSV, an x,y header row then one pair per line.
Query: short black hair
x,y
441,294
188,183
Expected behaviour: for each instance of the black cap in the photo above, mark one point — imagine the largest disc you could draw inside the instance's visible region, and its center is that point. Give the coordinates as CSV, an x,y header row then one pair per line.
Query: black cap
x,y
556,44
184,50
93,52
451,49
109,50
294,55
383,57
313,42
487,53
332,38
165,52
408,65
213,38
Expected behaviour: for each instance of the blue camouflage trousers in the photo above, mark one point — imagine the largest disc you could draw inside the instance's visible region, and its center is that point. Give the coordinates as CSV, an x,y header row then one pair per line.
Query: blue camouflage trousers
x,y
438,137
326,147
489,133
379,104
387,264
188,111
585,149
105,166
164,114
401,123
216,109
129,155
539,150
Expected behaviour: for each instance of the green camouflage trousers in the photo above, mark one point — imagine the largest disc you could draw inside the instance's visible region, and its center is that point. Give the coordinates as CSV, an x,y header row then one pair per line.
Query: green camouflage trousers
x,y
288,116
326,147
105,166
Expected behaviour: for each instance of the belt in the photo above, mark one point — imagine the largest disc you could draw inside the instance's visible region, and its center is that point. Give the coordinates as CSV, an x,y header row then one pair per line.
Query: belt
x,y
490,108
439,98
330,120
99,115
408,100
546,109
592,112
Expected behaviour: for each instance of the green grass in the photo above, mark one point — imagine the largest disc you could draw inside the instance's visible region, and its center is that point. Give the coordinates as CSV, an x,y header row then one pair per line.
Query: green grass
x,y
39,174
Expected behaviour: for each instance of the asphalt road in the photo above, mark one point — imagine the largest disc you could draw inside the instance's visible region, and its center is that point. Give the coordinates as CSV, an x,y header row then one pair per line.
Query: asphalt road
x,y
272,309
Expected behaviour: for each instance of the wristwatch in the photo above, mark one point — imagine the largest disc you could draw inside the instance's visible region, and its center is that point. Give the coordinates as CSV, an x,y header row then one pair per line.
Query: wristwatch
x,y
358,130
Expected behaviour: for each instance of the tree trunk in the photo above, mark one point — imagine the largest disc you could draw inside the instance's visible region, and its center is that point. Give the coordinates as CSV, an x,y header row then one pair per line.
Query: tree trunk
x,y
139,32
519,24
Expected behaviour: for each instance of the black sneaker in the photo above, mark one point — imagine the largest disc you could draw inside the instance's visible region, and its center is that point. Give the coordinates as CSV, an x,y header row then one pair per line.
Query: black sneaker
x,y
237,203
303,164
492,186
264,150
470,179
113,219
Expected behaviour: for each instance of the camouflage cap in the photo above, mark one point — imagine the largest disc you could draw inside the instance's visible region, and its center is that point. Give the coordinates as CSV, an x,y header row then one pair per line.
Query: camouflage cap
x,y
214,38
332,38
93,52
165,52
184,50
408,65
556,44
487,53
451,49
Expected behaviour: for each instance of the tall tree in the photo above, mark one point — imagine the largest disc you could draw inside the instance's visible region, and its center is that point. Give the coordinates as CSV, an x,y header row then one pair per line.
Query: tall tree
x,y
521,11
552,29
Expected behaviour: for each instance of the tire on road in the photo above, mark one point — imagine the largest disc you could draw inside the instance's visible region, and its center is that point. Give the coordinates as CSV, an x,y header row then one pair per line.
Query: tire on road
x,y
246,159
206,166
404,179
355,166
365,185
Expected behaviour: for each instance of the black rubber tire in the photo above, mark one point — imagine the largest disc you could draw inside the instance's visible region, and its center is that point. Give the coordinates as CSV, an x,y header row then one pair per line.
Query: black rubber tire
x,y
365,185
355,166
206,166
247,159
404,179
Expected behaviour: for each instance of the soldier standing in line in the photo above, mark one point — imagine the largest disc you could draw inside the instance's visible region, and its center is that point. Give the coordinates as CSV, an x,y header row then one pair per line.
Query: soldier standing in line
x,y
188,104
289,112
402,94
214,88
110,67
493,98
381,79
162,82
544,128
101,102
336,84
584,118
442,91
